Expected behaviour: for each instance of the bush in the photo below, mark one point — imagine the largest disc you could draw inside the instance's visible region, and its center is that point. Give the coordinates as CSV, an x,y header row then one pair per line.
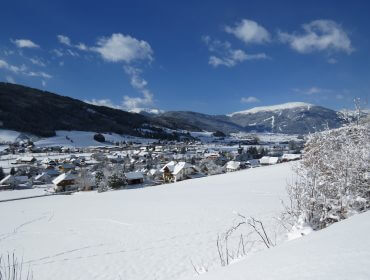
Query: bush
x,y
332,179
2,175
219,134
99,137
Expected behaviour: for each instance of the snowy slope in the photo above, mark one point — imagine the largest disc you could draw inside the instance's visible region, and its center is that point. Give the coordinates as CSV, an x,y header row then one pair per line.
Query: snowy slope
x,y
83,139
149,233
285,106
8,136
340,252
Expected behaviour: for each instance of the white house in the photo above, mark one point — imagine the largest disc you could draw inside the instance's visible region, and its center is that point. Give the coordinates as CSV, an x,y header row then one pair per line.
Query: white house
x,y
65,182
266,160
253,163
183,170
232,166
290,157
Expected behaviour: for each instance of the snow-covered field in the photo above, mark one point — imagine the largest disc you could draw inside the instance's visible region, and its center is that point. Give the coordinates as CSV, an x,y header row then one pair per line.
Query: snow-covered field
x,y
339,252
84,139
149,233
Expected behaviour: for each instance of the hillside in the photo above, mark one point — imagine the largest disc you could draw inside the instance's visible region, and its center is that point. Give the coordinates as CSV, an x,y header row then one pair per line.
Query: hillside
x,y
42,113
148,233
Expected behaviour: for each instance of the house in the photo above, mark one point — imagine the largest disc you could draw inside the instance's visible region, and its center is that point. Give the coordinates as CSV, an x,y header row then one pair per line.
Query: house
x,y
65,182
290,157
183,170
253,163
266,160
43,178
134,178
233,166
11,181
8,182
66,167
154,174
26,159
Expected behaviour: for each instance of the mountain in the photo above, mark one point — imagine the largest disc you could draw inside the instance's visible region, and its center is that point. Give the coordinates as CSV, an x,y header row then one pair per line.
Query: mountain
x,y
203,121
290,118
41,113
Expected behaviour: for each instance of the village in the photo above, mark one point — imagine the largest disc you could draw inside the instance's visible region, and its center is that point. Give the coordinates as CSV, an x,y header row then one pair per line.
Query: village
x,y
64,170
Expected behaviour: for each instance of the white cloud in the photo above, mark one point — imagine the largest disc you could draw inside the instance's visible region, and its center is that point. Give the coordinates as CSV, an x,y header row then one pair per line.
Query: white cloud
x,y
137,82
10,79
57,52
23,70
103,102
43,83
226,55
64,40
339,96
37,61
72,53
249,99
318,35
12,68
249,31
81,46
24,43
123,48
38,74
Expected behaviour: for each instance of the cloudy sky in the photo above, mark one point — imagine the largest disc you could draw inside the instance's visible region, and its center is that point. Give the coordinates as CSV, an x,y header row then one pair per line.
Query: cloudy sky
x,y
208,56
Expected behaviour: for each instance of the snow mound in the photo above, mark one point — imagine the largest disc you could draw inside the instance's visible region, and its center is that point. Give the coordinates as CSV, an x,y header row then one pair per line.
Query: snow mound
x,y
339,252
290,105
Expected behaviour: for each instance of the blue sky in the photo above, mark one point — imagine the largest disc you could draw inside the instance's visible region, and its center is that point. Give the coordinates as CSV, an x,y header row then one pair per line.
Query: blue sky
x,y
207,56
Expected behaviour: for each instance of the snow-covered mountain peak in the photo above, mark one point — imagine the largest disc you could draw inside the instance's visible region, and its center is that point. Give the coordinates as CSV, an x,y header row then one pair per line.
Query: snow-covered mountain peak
x,y
290,105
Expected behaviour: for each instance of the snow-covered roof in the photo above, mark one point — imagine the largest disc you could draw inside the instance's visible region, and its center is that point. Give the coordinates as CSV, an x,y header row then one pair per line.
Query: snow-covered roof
x,y
233,164
42,175
63,177
269,160
26,159
7,179
290,105
291,156
134,175
170,166
181,165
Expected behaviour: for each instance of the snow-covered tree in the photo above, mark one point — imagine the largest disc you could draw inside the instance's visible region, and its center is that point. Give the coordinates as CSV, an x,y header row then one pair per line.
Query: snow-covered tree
x,y
332,179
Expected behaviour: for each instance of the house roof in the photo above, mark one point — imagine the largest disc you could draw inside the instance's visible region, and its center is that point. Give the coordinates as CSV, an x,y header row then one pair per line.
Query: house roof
x,y
134,175
63,177
170,166
181,165
6,179
233,164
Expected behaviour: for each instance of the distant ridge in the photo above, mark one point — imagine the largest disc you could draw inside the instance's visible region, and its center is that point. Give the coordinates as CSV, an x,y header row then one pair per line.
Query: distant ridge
x,y
289,105
42,113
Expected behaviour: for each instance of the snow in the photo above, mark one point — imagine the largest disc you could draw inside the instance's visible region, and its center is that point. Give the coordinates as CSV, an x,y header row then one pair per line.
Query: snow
x,y
84,139
19,194
8,136
290,105
340,252
147,233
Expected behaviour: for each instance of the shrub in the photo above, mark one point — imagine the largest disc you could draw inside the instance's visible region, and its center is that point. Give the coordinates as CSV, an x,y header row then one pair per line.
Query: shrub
x,y
332,179
99,137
